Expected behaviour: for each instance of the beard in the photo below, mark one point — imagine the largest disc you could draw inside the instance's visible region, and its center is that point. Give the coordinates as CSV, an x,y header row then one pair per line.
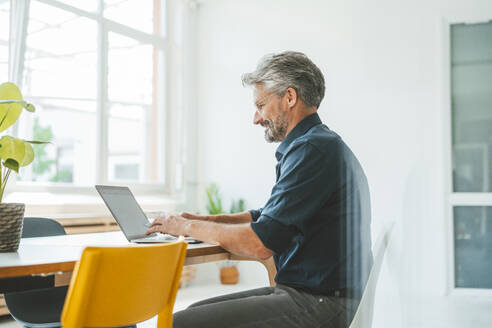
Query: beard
x,y
275,128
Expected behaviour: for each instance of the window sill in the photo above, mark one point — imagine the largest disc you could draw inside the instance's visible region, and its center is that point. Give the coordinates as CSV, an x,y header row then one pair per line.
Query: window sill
x,y
78,206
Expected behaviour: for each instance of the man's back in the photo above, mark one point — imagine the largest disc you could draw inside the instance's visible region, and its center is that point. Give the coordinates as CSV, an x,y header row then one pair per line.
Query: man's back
x,y
318,214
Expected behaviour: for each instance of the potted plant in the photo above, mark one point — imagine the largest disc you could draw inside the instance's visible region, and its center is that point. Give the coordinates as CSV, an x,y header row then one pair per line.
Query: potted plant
x,y
14,153
229,274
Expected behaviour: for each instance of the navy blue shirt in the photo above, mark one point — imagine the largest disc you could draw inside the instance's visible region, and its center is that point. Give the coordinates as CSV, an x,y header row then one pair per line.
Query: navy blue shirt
x,y
317,220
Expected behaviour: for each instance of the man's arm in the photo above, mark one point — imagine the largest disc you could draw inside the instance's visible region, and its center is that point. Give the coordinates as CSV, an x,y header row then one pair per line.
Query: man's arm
x,y
238,239
244,217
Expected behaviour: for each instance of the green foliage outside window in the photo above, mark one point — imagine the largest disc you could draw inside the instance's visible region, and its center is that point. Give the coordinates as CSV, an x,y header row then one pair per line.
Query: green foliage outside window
x,y
43,163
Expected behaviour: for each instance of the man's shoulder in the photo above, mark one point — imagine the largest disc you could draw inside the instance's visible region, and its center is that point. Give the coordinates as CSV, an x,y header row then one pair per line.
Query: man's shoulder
x,y
319,139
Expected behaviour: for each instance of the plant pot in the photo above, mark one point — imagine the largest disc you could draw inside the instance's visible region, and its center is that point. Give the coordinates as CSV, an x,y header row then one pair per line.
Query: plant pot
x,y
11,218
229,275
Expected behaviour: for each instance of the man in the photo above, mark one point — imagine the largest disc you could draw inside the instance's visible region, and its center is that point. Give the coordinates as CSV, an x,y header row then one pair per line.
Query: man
x,y
316,223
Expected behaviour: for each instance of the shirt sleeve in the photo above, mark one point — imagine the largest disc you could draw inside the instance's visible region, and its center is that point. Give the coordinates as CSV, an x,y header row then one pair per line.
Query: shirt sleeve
x,y
255,214
273,234
307,179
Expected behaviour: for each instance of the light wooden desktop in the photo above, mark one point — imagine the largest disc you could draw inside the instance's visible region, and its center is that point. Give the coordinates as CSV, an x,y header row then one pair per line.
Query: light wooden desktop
x,y
58,254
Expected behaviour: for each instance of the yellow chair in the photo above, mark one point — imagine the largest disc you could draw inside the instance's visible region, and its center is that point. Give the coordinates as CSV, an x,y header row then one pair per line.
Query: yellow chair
x,y
121,286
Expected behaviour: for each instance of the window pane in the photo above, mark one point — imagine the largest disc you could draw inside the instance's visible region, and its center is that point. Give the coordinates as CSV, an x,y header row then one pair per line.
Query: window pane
x,y
61,54
4,40
134,146
70,158
126,142
471,73
130,70
60,79
473,246
138,14
89,5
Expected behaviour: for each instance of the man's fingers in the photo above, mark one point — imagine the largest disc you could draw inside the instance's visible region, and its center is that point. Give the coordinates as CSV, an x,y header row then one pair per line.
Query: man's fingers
x,y
157,222
154,229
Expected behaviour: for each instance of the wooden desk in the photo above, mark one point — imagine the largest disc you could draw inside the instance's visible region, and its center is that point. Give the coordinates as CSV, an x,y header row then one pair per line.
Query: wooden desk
x,y
58,254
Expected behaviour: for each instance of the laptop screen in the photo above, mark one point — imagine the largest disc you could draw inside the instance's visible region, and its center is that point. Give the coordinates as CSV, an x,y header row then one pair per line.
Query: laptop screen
x,y
125,209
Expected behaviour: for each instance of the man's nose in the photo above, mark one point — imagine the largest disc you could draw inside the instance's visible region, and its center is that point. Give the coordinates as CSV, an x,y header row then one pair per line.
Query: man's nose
x,y
257,119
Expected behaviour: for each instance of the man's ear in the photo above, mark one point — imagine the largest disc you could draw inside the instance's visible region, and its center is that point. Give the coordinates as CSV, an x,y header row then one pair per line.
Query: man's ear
x,y
291,96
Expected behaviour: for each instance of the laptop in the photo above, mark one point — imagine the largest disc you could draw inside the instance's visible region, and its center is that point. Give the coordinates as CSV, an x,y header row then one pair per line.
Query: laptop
x,y
130,217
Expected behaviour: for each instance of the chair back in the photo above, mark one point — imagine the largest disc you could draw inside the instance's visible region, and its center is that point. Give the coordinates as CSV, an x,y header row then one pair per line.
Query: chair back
x,y
41,227
121,286
32,227
364,313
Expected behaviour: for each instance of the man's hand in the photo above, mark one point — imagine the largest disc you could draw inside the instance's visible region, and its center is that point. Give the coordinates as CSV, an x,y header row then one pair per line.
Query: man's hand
x,y
173,225
237,238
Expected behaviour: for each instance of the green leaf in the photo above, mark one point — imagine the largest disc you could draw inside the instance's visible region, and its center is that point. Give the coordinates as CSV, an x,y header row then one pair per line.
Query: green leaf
x,y
4,117
241,206
28,155
12,148
214,204
11,164
9,111
37,142
29,107
17,150
237,207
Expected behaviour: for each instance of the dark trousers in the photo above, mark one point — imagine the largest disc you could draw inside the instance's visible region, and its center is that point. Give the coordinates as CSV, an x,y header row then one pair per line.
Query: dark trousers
x,y
277,307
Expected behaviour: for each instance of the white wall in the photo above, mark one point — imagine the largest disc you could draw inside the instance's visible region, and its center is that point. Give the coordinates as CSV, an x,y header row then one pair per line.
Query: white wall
x,y
384,65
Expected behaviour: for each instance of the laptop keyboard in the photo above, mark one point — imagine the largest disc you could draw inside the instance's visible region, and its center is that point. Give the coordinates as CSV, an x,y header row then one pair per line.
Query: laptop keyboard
x,y
157,238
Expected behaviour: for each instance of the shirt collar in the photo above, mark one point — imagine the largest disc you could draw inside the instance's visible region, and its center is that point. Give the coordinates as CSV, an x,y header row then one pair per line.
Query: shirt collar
x,y
300,129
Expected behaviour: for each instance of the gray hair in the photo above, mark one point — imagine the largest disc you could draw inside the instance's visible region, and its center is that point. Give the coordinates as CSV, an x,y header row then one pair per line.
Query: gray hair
x,y
289,69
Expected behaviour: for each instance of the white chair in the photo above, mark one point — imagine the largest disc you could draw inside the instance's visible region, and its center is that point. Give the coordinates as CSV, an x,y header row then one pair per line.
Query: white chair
x,y
363,315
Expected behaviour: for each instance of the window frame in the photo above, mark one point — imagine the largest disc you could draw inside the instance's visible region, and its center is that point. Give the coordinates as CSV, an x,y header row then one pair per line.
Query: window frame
x,y
169,157
451,198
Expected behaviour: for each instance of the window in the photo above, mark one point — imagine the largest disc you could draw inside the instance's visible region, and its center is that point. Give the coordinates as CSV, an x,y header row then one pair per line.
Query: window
x,y
4,40
471,126
95,70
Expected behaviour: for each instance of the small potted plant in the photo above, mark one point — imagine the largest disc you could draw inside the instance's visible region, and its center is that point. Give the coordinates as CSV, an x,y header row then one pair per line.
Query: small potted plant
x,y
14,153
229,274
